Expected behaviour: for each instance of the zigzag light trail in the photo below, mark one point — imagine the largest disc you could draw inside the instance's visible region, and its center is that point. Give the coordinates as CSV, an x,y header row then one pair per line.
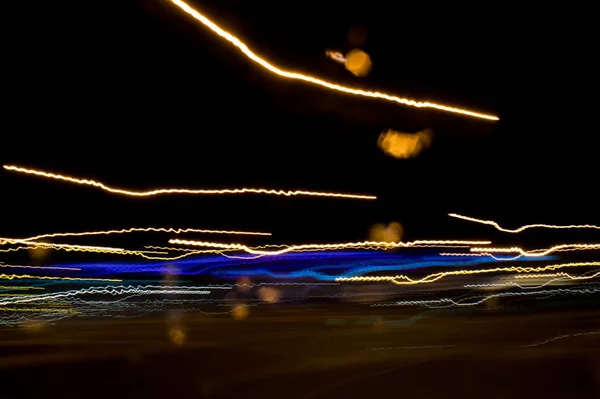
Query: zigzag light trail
x,y
405,280
557,277
295,248
539,252
313,80
163,191
449,302
143,230
83,248
110,290
523,228
30,277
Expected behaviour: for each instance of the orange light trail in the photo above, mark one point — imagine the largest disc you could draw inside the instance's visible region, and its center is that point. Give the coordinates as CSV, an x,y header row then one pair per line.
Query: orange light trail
x,y
143,230
163,191
405,280
316,81
539,252
308,247
523,228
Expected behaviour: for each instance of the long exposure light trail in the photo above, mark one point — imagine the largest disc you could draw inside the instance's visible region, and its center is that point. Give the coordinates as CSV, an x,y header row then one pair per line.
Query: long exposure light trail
x,y
82,248
523,228
143,230
295,248
539,252
163,191
30,277
316,81
110,290
442,302
19,288
405,280
557,277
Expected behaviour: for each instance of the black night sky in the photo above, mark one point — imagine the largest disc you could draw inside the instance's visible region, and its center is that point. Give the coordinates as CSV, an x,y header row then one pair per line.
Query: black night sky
x,y
138,95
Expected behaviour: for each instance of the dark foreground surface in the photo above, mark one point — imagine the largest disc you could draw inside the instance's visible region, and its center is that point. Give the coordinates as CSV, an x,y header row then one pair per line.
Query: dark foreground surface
x,y
307,353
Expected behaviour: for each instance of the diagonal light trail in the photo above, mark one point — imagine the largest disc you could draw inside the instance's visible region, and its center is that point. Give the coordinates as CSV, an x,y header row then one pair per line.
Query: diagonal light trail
x,y
523,228
316,81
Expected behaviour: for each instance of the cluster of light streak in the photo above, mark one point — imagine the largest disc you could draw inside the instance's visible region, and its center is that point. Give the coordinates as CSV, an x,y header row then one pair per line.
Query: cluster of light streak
x,y
431,278
321,247
327,266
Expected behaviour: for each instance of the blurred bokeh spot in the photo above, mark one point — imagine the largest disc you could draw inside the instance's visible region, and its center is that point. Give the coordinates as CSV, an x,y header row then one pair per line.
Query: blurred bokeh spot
x,y
391,233
268,294
357,35
240,312
404,145
244,284
358,62
39,254
177,336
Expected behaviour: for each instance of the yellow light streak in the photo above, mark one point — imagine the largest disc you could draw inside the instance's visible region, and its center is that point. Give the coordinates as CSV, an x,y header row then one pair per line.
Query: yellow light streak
x,y
296,248
211,251
162,191
405,280
78,248
478,254
523,228
539,252
30,277
19,287
73,247
12,249
316,81
143,230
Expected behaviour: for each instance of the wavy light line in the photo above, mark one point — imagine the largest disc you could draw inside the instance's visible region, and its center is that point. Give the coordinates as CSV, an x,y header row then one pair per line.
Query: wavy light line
x,y
162,191
30,277
556,277
84,248
523,228
143,230
295,248
478,254
110,290
539,252
405,280
547,341
452,302
19,287
310,79
40,310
